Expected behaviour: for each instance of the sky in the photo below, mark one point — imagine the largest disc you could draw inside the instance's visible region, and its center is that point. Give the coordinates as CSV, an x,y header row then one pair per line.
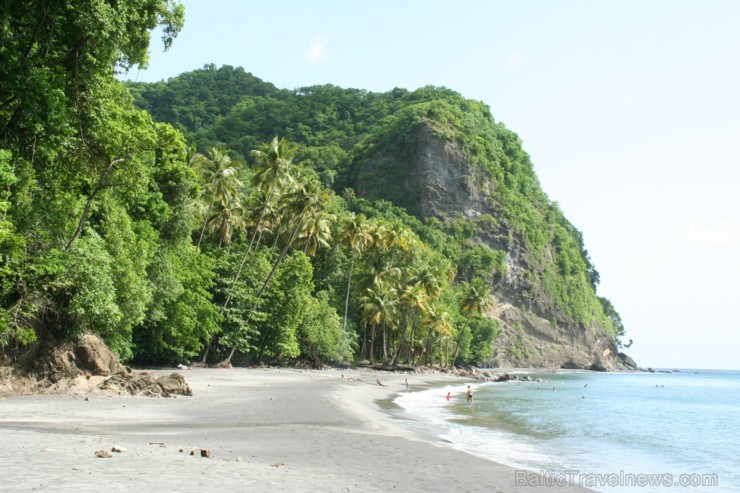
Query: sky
x,y
630,111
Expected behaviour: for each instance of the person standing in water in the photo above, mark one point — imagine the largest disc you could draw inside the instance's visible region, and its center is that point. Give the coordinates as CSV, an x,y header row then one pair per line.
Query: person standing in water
x,y
470,394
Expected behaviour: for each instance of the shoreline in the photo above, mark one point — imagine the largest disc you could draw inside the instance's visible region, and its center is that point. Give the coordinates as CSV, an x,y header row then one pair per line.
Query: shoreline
x,y
266,429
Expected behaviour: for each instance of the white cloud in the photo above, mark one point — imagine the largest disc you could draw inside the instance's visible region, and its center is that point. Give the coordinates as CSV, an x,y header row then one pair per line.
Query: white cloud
x,y
316,51
722,234
515,61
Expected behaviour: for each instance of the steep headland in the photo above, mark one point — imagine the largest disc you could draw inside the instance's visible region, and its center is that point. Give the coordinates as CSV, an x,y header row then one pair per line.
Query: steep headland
x,y
443,159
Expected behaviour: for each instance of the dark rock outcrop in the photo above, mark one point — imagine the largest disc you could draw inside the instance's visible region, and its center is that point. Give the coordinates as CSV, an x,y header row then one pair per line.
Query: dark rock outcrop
x,y
628,361
83,365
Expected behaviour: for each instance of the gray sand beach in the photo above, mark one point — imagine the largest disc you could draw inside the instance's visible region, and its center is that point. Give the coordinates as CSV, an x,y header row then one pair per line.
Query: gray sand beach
x,y
266,430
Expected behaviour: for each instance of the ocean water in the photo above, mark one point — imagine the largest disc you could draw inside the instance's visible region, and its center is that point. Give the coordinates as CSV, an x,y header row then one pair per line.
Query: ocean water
x,y
611,432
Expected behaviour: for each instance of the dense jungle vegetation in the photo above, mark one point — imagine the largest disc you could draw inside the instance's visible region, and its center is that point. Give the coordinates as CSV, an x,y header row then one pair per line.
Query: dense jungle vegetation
x,y
215,216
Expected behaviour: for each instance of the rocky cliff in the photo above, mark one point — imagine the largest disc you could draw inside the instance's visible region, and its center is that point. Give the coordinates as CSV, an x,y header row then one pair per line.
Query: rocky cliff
x,y
441,181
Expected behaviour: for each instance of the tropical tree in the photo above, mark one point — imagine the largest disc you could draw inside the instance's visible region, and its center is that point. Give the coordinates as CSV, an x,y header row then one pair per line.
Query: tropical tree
x,y
415,297
476,298
272,172
220,176
355,234
396,236
437,320
303,202
429,279
259,205
316,231
225,219
379,309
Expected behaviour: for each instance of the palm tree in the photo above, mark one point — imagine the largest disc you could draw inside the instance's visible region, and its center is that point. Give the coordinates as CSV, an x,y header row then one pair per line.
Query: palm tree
x,y
378,308
273,171
415,297
378,269
316,231
437,321
270,216
476,298
396,236
225,219
219,173
301,203
428,278
380,237
356,235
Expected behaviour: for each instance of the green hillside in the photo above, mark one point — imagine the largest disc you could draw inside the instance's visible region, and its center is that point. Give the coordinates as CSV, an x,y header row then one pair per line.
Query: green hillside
x,y
214,216
368,142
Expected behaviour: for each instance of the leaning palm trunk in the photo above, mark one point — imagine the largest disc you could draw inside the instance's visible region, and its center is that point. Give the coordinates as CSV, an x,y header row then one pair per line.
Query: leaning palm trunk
x,y
402,342
459,340
237,275
349,284
262,290
410,346
249,248
202,230
426,345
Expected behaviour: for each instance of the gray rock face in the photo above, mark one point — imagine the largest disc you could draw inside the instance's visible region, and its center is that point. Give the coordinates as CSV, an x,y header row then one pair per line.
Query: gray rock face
x,y
444,178
529,340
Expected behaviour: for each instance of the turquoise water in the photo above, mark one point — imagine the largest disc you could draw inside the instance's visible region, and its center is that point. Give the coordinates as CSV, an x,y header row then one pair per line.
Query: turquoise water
x,y
611,432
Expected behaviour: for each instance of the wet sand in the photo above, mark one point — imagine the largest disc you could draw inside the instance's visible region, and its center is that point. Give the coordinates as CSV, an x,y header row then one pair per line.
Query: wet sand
x,y
267,430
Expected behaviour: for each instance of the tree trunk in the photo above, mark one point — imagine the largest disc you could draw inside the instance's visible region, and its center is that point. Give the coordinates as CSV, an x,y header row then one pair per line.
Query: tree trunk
x,y
459,339
426,345
410,345
249,248
202,230
262,290
363,350
82,221
238,274
372,344
402,342
385,342
349,284
100,186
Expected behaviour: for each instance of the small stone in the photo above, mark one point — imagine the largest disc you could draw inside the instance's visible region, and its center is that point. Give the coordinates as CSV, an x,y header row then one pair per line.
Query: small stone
x,y
103,454
87,398
117,449
192,452
205,453
182,450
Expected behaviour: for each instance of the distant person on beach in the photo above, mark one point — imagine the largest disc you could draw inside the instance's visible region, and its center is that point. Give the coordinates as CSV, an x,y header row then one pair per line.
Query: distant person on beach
x,y
448,396
470,394
377,381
